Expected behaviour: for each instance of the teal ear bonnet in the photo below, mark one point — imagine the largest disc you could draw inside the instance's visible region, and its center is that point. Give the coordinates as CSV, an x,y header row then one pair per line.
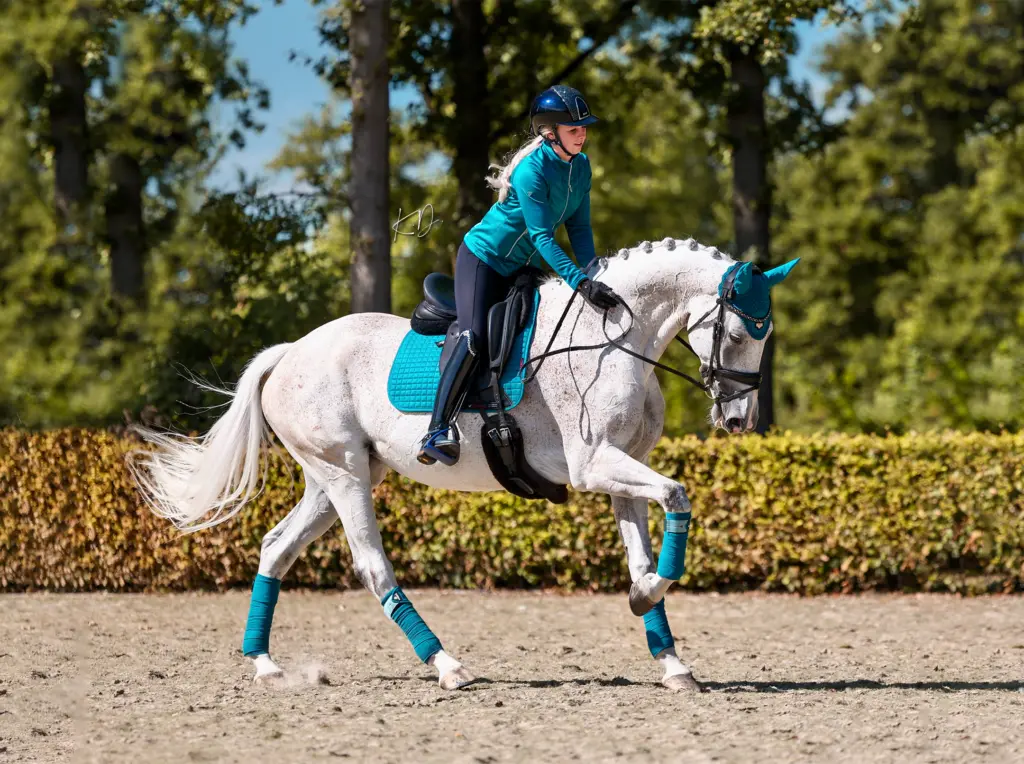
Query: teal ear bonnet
x,y
750,297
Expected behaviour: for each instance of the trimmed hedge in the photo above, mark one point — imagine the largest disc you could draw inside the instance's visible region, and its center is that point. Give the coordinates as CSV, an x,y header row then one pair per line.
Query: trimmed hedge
x,y
809,514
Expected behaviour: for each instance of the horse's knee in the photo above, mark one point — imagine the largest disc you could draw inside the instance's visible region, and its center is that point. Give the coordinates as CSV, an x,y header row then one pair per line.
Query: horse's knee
x,y
674,499
586,475
374,572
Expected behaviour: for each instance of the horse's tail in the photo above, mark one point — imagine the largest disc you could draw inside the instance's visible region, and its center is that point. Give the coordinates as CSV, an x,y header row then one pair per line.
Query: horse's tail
x,y
199,482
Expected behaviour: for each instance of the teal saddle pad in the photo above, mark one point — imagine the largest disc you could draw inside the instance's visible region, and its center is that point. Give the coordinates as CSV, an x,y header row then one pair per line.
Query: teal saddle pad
x,y
414,377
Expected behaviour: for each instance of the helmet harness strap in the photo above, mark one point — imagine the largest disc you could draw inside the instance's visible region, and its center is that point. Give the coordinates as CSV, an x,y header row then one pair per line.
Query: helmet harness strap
x,y
558,141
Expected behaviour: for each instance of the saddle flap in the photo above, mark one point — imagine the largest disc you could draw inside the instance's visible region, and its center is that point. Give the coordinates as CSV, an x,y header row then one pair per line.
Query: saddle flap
x,y
504,322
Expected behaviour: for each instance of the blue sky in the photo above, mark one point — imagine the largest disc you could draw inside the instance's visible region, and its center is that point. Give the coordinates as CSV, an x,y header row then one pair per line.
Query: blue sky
x,y
268,37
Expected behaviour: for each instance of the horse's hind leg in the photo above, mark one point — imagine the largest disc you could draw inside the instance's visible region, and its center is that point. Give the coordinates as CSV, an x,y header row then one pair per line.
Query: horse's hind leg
x,y
631,518
307,521
350,490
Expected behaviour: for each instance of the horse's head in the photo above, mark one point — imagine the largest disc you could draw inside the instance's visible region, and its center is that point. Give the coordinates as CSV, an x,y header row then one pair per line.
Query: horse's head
x,y
728,332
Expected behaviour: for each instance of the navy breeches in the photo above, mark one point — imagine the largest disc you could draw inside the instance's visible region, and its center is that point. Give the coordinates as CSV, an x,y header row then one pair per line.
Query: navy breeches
x,y
477,287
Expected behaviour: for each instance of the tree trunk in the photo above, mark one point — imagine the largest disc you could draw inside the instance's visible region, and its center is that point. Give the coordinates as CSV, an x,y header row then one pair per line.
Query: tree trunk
x,y
369,193
751,193
471,129
125,230
69,136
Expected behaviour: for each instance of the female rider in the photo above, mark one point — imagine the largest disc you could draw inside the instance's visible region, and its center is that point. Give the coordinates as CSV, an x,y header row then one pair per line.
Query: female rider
x,y
546,183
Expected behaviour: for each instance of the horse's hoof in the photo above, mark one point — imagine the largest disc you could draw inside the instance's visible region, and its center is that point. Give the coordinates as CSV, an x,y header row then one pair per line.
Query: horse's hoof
x,y
457,679
639,603
271,678
682,683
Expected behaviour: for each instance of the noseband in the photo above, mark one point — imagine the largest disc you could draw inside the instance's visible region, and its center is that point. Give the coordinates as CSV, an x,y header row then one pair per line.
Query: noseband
x,y
711,374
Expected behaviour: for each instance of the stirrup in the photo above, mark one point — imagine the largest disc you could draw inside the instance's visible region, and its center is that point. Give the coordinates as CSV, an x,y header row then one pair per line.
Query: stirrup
x,y
438,447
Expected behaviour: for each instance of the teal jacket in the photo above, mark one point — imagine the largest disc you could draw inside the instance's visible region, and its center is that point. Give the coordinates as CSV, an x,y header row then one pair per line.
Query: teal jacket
x,y
546,191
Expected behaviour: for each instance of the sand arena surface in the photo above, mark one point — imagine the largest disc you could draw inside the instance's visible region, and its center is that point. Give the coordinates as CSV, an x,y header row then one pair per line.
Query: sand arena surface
x,y
154,678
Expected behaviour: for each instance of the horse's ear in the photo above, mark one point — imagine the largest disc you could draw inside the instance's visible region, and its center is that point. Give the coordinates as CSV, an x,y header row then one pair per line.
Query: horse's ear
x,y
775,275
744,278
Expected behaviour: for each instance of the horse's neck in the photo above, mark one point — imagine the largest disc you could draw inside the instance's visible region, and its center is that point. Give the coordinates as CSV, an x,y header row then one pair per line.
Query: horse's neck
x,y
660,293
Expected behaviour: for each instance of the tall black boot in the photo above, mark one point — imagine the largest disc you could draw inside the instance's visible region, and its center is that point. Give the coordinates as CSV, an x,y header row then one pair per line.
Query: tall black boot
x,y
441,443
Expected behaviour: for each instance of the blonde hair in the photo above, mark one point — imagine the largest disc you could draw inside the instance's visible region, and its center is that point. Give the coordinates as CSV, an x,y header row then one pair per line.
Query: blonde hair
x,y
502,180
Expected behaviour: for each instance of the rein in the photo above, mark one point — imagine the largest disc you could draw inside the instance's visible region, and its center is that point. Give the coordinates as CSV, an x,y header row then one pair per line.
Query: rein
x,y
709,374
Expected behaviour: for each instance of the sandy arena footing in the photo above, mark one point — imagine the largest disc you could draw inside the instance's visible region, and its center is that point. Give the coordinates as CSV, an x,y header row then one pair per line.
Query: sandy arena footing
x,y
160,678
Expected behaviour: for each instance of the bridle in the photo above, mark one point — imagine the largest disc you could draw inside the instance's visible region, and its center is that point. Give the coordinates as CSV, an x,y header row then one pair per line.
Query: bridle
x,y
711,374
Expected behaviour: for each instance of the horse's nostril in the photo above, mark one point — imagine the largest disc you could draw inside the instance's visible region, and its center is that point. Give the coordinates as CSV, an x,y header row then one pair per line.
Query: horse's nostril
x,y
733,424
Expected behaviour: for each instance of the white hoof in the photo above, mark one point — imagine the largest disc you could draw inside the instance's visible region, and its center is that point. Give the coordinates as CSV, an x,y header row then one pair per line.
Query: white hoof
x,y
456,679
267,672
641,596
273,679
647,592
681,683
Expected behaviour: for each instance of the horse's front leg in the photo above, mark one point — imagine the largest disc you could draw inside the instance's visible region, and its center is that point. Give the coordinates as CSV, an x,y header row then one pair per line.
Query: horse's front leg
x,y
631,519
611,470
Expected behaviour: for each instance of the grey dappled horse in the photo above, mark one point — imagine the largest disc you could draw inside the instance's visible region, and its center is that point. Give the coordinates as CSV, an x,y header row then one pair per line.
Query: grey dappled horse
x,y
589,418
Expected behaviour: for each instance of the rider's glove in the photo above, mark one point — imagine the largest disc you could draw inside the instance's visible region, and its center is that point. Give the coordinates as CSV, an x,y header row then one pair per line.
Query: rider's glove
x,y
601,296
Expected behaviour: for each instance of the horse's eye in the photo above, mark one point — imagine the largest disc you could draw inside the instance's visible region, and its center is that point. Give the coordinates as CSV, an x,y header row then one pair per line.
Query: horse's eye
x,y
735,337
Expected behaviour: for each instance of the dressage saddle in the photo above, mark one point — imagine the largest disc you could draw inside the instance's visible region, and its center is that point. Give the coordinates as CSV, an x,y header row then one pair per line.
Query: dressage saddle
x,y
501,436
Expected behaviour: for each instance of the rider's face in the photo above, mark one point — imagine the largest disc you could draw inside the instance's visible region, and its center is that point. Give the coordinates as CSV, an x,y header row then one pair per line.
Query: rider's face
x,y
573,138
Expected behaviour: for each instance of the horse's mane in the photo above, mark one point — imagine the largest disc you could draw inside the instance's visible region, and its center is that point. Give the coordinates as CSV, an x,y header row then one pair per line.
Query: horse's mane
x,y
668,244
671,244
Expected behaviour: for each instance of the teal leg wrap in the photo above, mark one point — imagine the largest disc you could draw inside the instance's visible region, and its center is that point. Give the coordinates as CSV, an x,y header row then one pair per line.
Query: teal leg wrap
x,y
659,636
261,615
672,560
401,611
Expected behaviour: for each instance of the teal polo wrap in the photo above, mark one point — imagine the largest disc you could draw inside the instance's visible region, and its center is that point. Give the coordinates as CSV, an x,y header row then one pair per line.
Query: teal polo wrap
x,y
400,610
659,635
261,615
672,560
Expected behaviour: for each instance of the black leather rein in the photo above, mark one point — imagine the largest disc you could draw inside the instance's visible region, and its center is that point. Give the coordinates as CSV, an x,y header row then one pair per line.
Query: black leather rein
x,y
709,374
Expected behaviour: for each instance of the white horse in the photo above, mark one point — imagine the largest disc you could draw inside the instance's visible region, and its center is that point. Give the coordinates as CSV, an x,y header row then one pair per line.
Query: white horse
x,y
589,419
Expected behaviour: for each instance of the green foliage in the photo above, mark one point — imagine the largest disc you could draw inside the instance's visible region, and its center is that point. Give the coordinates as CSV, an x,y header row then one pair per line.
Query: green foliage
x,y
75,351
906,208
908,312
806,514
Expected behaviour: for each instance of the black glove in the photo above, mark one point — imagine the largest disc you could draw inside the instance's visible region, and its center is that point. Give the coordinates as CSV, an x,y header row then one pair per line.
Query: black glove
x,y
601,296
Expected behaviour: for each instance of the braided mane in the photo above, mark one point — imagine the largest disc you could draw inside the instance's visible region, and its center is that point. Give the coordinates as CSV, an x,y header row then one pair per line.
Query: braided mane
x,y
671,244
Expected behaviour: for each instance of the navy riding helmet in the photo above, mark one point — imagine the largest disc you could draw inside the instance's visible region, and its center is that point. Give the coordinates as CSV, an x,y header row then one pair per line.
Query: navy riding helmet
x,y
560,105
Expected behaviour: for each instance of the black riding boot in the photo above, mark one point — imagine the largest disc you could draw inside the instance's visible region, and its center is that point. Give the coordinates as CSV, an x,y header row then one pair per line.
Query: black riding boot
x,y
442,442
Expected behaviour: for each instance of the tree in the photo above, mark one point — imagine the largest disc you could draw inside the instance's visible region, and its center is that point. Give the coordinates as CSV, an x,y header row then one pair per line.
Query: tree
x,y
91,190
370,236
727,52
477,66
909,312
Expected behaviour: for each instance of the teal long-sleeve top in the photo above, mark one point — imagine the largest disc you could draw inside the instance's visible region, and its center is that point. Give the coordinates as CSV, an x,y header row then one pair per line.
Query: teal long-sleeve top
x,y
546,192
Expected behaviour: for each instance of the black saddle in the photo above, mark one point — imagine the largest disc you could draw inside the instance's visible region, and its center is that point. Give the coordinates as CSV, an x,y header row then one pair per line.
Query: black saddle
x,y
437,311
436,315
502,438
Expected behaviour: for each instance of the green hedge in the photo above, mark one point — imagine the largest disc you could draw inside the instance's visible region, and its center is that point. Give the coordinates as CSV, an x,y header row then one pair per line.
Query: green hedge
x,y
809,514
